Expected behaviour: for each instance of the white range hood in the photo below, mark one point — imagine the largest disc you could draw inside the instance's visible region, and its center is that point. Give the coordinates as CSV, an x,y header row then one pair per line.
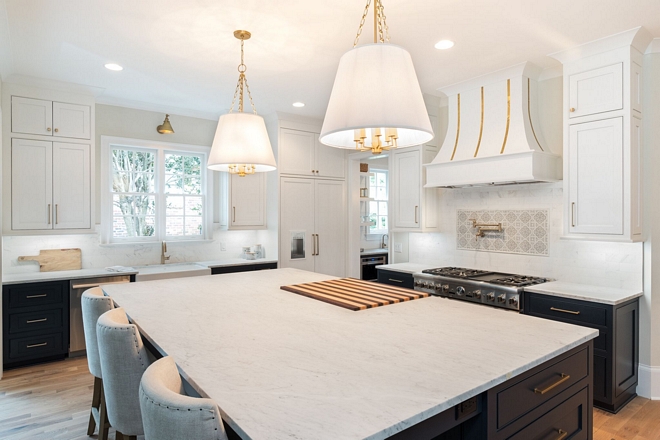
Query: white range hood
x,y
493,135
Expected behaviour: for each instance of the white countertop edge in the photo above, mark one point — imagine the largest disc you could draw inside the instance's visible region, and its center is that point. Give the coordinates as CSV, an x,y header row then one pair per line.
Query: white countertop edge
x,y
60,275
586,292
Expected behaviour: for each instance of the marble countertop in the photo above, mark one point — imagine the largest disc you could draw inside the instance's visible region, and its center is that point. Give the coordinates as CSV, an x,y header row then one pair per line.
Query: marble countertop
x,y
406,267
32,277
234,262
373,252
284,366
585,292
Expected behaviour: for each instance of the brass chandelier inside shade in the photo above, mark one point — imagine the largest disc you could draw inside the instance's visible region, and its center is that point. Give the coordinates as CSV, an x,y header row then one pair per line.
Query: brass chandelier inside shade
x,y
376,103
241,144
165,127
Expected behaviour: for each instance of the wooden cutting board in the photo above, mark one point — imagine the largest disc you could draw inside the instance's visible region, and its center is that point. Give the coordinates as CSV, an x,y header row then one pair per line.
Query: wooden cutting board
x,y
354,294
51,260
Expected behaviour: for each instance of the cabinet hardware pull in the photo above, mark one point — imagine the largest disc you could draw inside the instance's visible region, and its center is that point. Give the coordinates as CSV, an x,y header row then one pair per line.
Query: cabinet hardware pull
x,y
562,434
555,309
396,281
49,213
233,214
313,245
32,321
37,296
48,129
564,378
318,245
89,286
573,214
43,344
57,220
572,109
57,130
416,208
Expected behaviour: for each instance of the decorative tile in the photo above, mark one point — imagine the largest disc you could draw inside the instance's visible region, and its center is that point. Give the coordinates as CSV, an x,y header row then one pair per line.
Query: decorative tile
x,y
524,231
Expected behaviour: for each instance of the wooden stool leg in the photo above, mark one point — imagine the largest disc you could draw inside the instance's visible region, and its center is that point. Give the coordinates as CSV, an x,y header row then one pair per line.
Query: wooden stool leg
x,y
96,401
119,436
104,424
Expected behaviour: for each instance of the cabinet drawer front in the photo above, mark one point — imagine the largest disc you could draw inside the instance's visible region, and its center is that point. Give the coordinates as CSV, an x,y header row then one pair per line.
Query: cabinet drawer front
x,y
395,278
596,91
569,311
36,346
39,320
529,393
35,295
569,420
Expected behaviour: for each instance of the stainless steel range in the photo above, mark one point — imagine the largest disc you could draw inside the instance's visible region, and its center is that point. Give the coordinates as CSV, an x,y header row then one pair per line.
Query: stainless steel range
x,y
492,288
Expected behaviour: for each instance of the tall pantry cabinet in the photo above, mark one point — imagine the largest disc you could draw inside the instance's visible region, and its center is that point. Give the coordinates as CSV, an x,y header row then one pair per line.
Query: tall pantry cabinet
x,y
312,197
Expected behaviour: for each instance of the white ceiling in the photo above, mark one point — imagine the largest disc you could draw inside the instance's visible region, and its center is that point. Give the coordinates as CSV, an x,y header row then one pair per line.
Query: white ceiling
x,y
182,55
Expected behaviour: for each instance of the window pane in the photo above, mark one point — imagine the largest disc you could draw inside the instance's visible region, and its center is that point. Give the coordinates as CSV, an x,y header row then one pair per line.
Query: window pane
x,y
382,208
381,179
373,208
381,194
133,182
193,225
372,180
133,226
174,226
173,184
193,206
193,165
133,161
174,205
173,164
382,222
138,206
192,185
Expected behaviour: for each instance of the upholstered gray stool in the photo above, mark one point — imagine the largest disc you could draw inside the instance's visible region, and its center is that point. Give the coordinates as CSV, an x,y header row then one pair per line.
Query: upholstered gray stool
x,y
94,304
168,414
123,361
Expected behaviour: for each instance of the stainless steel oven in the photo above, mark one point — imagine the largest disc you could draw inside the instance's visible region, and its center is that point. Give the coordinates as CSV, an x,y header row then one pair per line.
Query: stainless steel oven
x,y
368,265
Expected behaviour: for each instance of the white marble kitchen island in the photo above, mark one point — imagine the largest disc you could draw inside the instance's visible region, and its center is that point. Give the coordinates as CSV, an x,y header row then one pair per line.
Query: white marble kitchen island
x,y
284,366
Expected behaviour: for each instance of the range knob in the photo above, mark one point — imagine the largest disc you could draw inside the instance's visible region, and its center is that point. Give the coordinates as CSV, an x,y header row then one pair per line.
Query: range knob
x,y
501,298
460,291
490,296
445,287
425,285
439,287
477,294
418,283
513,300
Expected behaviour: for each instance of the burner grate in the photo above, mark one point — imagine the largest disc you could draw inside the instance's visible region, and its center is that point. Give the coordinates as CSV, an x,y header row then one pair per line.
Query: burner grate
x,y
456,272
518,281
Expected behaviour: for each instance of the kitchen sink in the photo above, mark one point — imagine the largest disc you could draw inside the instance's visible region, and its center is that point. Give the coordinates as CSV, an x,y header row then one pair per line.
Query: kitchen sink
x,y
167,271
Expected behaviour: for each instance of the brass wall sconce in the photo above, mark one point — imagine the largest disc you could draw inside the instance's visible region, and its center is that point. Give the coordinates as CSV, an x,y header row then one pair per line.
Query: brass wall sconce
x,y
165,127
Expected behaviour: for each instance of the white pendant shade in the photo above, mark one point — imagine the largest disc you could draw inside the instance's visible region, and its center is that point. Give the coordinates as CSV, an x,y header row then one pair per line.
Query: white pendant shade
x,y
241,139
376,87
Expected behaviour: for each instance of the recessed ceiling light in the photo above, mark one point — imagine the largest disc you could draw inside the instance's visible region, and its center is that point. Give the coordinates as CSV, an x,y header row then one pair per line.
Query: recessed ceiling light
x,y
298,104
444,44
113,66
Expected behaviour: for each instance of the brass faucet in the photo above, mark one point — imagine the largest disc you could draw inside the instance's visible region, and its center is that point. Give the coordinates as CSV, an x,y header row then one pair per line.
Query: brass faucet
x,y
163,250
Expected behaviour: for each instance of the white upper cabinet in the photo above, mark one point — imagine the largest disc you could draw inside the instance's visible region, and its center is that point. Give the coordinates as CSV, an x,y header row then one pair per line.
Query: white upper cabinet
x,y
31,184
71,120
248,201
596,91
301,154
71,186
31,116
48,118
595,183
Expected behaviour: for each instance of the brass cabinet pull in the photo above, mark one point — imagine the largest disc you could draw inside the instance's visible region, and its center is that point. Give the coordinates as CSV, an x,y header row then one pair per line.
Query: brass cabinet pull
x,y
396,281
572,312
48,129
43,344
57,130
562,434
318,245
564,378
573,214
572,109
416,209
57,220
313,244
233,208
49,213
32,321
37,296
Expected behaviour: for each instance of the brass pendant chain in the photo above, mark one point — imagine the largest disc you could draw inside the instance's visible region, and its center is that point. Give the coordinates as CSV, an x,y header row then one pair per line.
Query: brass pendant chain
x,y
381,30
241,84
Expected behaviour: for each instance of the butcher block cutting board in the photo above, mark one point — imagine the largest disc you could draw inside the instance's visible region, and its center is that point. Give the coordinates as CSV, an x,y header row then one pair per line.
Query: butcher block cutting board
x,y
51,260
354,294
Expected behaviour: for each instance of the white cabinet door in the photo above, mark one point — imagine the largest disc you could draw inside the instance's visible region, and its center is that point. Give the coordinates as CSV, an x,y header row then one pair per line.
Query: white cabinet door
x,y
71,120
330,227
406,184
596,91
31,116
31,184
248,200
71,186
296,223
296,152
596,177
330,162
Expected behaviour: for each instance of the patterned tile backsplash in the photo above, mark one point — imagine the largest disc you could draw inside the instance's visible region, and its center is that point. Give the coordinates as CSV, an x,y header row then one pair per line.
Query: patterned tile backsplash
x,y
524,231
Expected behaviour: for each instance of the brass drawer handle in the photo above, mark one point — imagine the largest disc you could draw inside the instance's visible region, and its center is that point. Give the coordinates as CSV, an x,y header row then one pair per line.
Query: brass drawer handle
x,y
396,281
564,378
36,296
562,434
32,321
571,312
43,344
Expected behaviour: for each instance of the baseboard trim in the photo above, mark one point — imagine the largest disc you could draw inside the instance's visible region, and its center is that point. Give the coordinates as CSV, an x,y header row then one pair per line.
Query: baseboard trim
x,y
649,382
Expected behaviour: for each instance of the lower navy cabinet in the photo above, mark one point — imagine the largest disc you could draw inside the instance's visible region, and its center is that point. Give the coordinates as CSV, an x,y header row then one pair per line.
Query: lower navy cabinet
x,y
616,349
394,278
242,268
35,322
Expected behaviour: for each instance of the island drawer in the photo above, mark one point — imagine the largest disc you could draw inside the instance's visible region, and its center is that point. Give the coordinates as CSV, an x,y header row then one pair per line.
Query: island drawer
x,y
35,294
36,346
242,268
394,278
566,310
521,397
36,320
568,420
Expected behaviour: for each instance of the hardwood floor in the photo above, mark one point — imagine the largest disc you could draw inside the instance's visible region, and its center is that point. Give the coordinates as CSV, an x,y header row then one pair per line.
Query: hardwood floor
x,y
51,401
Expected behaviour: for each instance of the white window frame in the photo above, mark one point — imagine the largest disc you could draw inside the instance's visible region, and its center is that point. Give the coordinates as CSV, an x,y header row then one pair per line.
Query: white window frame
x,y
108,143
377,233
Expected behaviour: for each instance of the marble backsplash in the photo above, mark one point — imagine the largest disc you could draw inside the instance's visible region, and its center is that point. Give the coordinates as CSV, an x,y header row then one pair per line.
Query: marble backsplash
x,y
95,255
523,231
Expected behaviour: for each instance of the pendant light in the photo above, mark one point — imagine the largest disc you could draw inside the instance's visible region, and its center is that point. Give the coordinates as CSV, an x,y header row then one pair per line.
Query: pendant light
x,y
165,127
376,103
241,145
